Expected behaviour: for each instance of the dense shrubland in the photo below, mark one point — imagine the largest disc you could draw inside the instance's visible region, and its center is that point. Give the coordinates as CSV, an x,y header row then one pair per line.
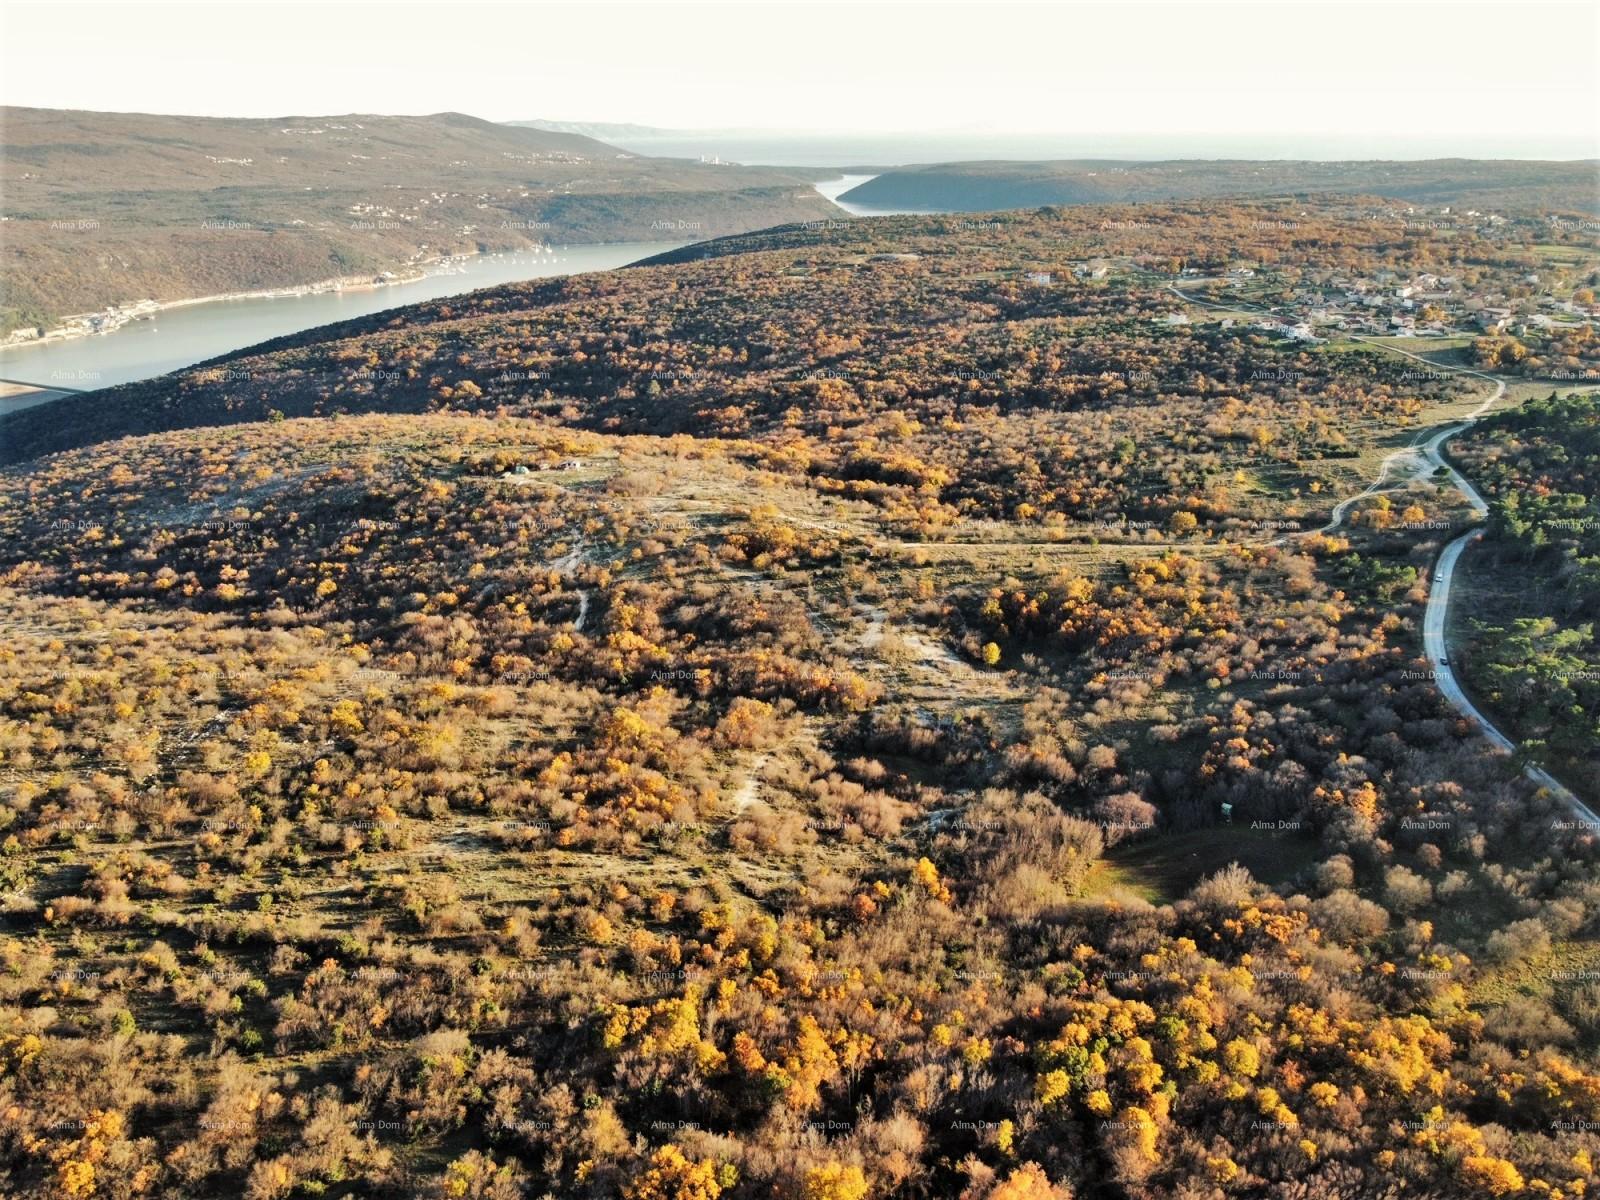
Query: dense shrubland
x,y
738,790
1534,656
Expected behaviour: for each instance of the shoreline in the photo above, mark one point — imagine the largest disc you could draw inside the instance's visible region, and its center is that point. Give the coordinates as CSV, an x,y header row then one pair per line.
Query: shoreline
x,y
114,317
141,310
192,333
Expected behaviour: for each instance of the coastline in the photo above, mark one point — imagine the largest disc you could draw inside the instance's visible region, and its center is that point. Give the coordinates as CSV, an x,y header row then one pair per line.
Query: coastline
x,y
195,330
75,326
140,310
148,309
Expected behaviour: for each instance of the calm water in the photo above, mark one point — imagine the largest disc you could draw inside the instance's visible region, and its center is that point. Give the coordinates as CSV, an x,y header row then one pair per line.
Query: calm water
x,y
879,150
834,188
180,337
882,150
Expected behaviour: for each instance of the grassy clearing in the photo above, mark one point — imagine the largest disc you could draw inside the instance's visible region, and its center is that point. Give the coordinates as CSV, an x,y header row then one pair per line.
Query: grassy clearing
x,y
1166,869
1566,964
1559,255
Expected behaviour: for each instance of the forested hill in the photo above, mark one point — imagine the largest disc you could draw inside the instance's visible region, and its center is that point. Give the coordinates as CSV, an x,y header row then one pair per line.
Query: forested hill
x,y
1531,653
982,186
154,150
108,208
829,318
885,711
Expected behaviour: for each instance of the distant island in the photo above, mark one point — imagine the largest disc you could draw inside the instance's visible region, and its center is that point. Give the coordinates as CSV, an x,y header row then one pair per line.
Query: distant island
x,y
987,186
108,210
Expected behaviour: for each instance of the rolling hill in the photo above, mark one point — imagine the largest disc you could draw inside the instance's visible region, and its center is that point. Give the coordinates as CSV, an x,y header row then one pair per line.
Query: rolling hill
x,y
859,710
723,337
984,186
109,208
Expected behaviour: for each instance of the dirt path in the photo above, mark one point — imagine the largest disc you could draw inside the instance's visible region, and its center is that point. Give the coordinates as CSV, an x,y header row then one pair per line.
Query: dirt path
x,y
750,790
924,650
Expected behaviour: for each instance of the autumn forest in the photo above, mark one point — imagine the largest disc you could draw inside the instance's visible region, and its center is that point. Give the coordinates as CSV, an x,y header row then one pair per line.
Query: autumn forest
x,y
911,707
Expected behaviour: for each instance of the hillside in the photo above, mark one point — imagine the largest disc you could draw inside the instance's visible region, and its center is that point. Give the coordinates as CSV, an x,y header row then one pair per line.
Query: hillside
x,y
911,709
729,336
1530,646
109,208
984,186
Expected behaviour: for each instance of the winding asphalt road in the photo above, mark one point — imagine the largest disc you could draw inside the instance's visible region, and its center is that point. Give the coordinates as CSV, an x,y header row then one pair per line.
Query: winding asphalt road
x,y
1434,646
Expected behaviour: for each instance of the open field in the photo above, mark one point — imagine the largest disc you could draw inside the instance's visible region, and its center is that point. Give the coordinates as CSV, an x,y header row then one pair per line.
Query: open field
x,y
1165,871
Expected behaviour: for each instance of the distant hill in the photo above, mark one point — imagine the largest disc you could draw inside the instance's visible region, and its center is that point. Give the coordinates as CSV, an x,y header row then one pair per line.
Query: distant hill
x,y
988,186
746,332
107,208
596,129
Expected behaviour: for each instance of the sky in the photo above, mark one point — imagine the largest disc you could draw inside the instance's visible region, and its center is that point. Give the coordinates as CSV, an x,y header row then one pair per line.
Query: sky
x,y
1455,76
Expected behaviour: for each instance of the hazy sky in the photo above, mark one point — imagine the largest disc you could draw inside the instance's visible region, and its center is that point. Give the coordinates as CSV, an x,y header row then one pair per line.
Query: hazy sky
x,y
1449,73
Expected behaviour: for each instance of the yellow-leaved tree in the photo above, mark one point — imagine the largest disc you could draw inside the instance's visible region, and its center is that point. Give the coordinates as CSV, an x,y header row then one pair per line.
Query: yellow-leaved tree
x,y
835,1181
673,1175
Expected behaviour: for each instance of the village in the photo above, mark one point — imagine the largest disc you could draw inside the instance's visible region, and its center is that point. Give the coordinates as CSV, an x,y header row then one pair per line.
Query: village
x,y
1422,305
1325,304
